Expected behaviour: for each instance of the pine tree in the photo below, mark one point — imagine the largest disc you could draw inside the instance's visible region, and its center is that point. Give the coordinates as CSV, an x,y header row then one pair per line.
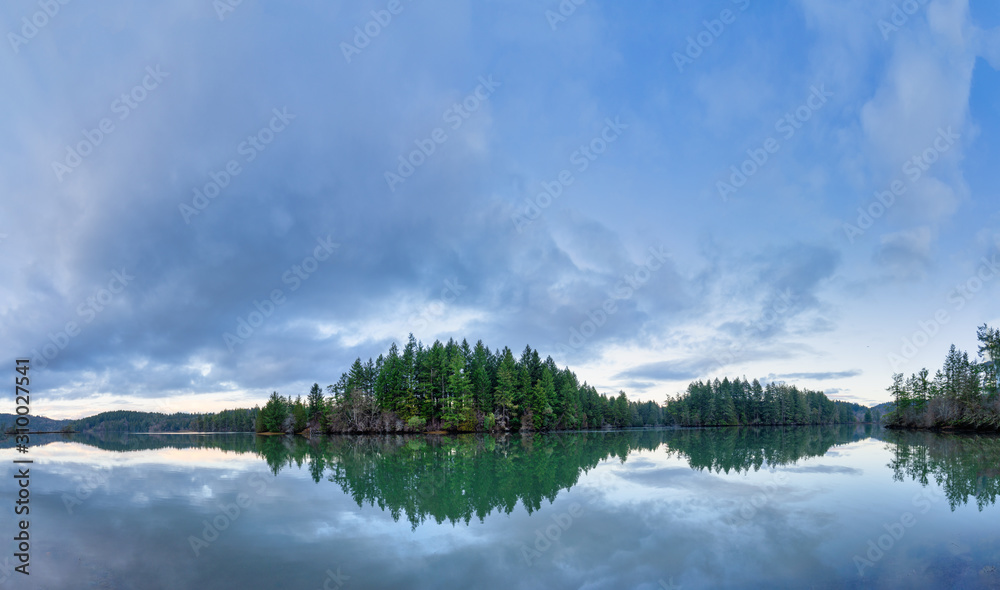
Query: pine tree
x,y
989,349
621,410
457,410
315,401
541,393
274,413
506,385
726,412
299,415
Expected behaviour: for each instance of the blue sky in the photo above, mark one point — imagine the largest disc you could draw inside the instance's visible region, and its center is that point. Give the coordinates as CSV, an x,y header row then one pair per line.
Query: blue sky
x,y
651,192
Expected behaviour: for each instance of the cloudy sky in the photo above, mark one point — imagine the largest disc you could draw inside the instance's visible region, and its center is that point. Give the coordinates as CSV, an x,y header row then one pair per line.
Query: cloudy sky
x,y
202,203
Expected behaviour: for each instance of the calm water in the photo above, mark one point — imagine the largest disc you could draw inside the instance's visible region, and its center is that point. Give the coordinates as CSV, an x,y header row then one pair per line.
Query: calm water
x,y
802,507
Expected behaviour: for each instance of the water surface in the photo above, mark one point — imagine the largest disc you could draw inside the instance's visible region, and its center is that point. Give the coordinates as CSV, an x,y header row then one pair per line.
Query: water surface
x,y
806,507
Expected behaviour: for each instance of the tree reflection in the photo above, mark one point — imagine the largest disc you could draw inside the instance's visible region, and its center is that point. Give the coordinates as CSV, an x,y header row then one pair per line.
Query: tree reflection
x,y
461,477
745,449
964,465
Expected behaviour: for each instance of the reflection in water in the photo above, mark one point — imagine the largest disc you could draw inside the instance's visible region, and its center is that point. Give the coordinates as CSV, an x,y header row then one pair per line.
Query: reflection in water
x,y
646,505
456,478
127,442
963,465
743,449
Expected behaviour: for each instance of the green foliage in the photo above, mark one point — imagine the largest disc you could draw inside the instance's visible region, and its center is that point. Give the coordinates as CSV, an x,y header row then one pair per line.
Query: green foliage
x,y
238,420
963,393
315,401
460,478
965,466
738,402
274,413
300,416
461,388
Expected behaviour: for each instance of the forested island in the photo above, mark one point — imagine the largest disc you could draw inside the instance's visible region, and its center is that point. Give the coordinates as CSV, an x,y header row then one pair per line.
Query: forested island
x,y
963,394
454,387
739,403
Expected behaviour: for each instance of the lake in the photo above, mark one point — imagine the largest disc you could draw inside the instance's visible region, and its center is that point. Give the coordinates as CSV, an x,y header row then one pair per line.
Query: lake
x,y
796,507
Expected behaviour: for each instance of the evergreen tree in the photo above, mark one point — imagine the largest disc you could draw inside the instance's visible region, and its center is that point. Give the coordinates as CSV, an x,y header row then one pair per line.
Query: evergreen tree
x,y
989,349
315,401
300,415
274,413
505,389
482,388
541,393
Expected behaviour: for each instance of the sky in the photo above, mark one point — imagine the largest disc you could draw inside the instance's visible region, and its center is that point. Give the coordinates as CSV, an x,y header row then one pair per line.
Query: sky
x,y
205,201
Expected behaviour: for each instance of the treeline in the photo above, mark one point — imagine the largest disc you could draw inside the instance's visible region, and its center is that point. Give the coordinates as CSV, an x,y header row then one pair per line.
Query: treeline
x,y
238,420
458,388
8,424
743,403
962,394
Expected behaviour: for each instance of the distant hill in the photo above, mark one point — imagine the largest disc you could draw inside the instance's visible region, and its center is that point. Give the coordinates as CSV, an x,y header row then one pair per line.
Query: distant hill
x,y
38,423
241,420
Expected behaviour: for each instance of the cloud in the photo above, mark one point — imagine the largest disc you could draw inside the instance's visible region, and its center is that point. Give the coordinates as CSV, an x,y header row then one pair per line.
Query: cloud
x,y
746,284
665,371
905,254
820,375
830,469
